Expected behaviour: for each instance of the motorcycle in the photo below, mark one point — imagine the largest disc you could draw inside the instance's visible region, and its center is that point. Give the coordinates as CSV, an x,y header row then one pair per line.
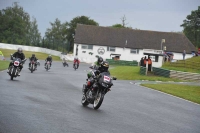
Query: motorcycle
x,y
47,66
96,92
65,64
75,66
14,68
32,66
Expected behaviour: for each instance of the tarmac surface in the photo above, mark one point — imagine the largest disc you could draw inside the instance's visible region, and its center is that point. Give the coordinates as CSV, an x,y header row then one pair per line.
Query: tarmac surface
x,y
50,102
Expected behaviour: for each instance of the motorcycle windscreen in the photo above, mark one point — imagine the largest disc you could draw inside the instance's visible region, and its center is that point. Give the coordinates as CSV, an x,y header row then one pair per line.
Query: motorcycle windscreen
x,y
105,78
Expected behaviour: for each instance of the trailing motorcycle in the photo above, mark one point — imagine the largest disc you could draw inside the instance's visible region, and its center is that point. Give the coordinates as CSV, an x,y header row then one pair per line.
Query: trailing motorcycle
x,y
65,63
47,66
96,92
14,69
32,66
75,66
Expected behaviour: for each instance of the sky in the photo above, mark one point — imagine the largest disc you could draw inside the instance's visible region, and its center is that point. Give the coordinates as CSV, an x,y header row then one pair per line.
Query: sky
x,y
155,15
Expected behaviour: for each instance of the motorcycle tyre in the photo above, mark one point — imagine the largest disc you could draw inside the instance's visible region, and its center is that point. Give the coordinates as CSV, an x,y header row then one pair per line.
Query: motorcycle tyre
x,y
13,73
96,106
84,101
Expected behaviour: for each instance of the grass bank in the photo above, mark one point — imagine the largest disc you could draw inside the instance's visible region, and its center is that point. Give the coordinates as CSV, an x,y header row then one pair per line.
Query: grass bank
x,y
40,56
187,68
4,64
132,73
188,92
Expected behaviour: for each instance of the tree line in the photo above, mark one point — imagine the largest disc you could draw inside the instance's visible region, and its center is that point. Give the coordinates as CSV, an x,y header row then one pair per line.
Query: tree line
x,y
16,27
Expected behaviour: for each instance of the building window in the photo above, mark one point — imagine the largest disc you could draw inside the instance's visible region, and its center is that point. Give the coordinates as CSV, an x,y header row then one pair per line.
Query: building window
x,y
87,46
111,49
134,51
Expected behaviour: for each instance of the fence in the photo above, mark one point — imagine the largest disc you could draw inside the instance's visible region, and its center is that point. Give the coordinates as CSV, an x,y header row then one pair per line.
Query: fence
x,y
161,72
142,70
186,64
122,62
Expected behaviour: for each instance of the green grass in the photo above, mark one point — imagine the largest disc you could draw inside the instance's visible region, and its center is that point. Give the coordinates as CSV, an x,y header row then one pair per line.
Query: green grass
x,y
189,63
40,56
188,92
132,73
180,69
4,64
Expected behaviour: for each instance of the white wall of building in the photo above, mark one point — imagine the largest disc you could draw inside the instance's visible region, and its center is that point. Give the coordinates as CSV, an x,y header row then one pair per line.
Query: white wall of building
x,y
125,54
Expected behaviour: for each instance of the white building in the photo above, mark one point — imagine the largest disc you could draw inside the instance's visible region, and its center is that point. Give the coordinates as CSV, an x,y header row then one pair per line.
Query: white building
x,y
127,44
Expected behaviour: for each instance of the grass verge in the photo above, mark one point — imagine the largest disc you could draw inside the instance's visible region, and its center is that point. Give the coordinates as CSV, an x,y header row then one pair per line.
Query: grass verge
x,y
40,56
188,92
4,64
179,66
132,73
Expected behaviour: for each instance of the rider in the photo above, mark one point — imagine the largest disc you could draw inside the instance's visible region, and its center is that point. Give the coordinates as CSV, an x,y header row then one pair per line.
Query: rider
x,y
34,59
76,60
102,66
49,58
18,54
95,65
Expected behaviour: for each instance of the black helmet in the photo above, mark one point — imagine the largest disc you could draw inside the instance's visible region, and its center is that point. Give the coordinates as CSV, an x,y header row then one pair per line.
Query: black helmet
x,y
105,65
19,50
33,55
100,60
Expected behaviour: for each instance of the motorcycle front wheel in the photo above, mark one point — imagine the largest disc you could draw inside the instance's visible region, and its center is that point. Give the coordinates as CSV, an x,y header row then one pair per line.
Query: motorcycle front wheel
x,y
98,100
31,68
13,71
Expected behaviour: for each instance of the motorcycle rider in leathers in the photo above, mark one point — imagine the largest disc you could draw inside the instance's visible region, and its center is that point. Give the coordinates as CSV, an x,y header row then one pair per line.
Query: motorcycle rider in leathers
x,y
49,58
99,67
18,54
33,57
76,60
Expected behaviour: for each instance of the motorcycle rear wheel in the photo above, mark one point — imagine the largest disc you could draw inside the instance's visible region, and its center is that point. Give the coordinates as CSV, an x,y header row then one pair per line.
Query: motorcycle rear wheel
x,y
84,101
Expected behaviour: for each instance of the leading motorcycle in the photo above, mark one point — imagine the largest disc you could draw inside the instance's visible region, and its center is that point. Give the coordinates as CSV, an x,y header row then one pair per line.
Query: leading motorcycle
x,y
14,69
96,92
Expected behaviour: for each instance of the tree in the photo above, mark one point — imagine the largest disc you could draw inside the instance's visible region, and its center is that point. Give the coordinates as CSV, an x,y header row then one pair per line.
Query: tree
x,y
118,26
191,27
35,37
72,26
56,35
16,26
123,25
123,21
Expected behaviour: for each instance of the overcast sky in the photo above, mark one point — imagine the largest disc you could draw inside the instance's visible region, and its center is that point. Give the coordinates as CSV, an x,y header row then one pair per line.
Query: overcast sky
x,y
156,15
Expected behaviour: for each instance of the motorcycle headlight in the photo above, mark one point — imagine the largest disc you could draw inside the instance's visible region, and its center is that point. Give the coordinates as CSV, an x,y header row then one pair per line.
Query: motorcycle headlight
x,y
104,85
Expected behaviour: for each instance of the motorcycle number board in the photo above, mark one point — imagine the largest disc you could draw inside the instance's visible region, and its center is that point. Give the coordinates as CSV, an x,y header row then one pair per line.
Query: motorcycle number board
x,y
106,78
16,63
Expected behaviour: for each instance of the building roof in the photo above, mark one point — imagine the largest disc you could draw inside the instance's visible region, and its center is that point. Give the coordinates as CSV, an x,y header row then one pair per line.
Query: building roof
x,y
130,38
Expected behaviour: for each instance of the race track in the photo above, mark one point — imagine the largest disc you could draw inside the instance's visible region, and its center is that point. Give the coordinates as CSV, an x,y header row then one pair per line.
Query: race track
x,y
50,102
